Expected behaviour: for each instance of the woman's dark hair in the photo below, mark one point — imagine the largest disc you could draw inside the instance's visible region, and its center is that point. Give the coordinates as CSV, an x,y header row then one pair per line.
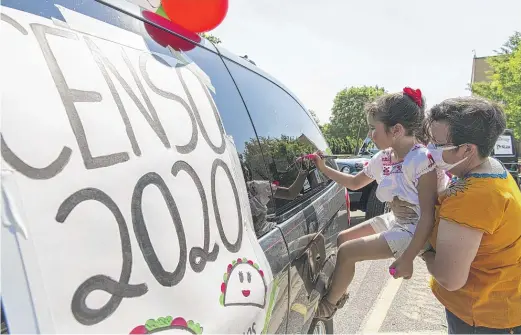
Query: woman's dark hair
x,y
471,120
394,108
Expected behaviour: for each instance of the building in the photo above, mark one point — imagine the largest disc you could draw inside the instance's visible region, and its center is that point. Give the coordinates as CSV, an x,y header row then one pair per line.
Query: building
x,y
480,73
480,69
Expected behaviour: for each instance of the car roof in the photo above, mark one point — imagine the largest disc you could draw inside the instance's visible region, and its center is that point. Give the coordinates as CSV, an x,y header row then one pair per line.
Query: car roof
x,y
246,64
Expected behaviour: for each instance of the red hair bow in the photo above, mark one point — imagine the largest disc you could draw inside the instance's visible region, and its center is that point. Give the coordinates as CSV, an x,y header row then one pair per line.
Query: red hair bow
x,y
415,95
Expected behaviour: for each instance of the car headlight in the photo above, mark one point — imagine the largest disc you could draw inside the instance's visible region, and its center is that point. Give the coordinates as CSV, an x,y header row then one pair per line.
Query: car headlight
x,y
345,169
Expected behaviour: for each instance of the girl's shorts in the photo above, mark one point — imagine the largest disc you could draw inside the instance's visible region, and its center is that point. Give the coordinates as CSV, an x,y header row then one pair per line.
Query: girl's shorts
x,y
397,234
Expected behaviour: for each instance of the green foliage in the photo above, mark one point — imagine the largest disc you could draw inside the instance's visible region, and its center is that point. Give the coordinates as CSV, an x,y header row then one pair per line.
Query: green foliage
x,y
211,38
348,119
340,145
505,81
283,150
348,125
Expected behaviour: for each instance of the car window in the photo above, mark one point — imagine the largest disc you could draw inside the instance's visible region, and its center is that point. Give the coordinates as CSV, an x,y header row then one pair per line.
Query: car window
x,y
285,132
237,124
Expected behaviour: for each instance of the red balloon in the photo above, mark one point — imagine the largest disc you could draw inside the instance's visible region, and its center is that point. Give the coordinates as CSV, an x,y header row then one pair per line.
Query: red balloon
x,y
165,38
196,15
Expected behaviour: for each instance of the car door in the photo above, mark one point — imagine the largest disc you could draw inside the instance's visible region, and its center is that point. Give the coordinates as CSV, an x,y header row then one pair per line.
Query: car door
x,y
127,83
311,221
238,126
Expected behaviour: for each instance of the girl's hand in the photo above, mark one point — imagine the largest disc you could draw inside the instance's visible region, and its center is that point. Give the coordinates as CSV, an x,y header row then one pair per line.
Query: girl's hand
x,y
402,268
318,159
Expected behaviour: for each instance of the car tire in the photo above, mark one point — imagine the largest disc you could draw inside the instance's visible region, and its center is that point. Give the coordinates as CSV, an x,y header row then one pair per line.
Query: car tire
x,y
374,206
321,327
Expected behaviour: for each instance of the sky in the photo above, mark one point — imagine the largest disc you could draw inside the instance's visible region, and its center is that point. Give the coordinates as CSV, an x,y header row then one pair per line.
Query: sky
x,y
317,48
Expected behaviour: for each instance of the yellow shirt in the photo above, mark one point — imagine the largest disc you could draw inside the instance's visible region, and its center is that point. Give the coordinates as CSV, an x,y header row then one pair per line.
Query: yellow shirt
x,y
492,295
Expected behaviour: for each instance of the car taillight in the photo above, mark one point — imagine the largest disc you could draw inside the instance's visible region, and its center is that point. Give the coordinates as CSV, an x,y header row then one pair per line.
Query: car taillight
x,y
348,204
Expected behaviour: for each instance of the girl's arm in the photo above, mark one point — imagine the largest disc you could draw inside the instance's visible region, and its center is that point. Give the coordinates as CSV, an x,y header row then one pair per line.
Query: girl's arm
x,y
456,248
427,194
351,182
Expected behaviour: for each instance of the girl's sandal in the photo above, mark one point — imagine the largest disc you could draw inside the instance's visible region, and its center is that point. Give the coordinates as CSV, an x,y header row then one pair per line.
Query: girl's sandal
x,y
327,310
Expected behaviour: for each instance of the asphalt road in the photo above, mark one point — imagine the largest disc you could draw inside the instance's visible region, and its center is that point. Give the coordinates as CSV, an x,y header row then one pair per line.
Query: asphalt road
x,y
380,304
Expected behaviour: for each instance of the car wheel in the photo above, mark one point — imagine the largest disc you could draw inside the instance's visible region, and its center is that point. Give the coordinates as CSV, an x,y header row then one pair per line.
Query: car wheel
x,y
374,206
321,327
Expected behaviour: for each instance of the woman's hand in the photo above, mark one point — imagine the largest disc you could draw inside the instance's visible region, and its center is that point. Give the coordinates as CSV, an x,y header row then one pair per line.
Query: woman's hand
x,y
402,209
428,256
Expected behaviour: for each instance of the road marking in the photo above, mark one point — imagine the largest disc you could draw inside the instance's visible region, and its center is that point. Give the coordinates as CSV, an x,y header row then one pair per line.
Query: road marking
x,y
383,303
426,332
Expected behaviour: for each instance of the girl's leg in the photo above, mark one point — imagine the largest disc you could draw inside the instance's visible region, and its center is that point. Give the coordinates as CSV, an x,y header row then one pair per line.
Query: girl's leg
x,y
372,226
365,248
362,249
361,230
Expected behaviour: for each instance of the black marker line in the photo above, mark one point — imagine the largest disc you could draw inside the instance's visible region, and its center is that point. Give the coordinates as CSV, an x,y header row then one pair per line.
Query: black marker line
x,y
232,247
118,289
70,96
143,59
162,276
220,149
199,257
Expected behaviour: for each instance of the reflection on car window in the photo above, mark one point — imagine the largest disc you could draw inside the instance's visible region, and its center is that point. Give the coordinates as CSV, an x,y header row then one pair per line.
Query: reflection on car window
x,y
285,132
237,124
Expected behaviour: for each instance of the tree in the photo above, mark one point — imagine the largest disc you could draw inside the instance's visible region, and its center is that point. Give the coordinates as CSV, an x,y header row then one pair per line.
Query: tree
x,y
280,153
504,86
211,38
348,119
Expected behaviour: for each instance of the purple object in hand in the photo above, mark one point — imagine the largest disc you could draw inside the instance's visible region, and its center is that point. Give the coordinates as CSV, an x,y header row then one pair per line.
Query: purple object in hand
x,y
392,271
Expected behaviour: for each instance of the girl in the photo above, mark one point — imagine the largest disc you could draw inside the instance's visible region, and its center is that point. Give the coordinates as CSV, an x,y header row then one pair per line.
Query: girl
x,y
404,170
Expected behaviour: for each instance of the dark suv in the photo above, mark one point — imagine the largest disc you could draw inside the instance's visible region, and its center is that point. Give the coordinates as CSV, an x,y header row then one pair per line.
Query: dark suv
x,y
158,181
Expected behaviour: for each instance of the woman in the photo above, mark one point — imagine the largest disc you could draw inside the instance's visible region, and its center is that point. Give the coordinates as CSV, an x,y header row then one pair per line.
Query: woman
x,y
476,261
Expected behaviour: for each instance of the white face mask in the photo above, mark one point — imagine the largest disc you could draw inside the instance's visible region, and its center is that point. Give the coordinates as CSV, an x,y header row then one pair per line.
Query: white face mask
x,y
437,155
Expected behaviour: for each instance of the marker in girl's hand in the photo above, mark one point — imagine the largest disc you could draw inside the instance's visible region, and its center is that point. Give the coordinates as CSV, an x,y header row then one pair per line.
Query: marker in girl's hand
x,y
392,271
313,156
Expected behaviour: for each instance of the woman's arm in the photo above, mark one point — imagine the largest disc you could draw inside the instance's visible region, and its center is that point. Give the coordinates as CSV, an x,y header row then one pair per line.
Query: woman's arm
x,y
427,193
290,193
456,248
351,182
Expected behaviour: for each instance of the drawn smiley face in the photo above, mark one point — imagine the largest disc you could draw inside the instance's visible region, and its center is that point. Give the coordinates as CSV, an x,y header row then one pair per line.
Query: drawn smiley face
x,y
246,293
244,285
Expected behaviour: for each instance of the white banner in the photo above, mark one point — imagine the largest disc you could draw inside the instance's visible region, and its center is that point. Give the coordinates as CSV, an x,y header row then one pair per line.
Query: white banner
x,y
124,206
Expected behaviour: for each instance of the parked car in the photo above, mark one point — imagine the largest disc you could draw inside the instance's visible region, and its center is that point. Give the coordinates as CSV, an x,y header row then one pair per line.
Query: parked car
x,y
506,152
159,135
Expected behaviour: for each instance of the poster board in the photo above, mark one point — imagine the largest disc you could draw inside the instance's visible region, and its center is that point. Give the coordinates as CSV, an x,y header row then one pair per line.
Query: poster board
x,y
504,146
118,214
